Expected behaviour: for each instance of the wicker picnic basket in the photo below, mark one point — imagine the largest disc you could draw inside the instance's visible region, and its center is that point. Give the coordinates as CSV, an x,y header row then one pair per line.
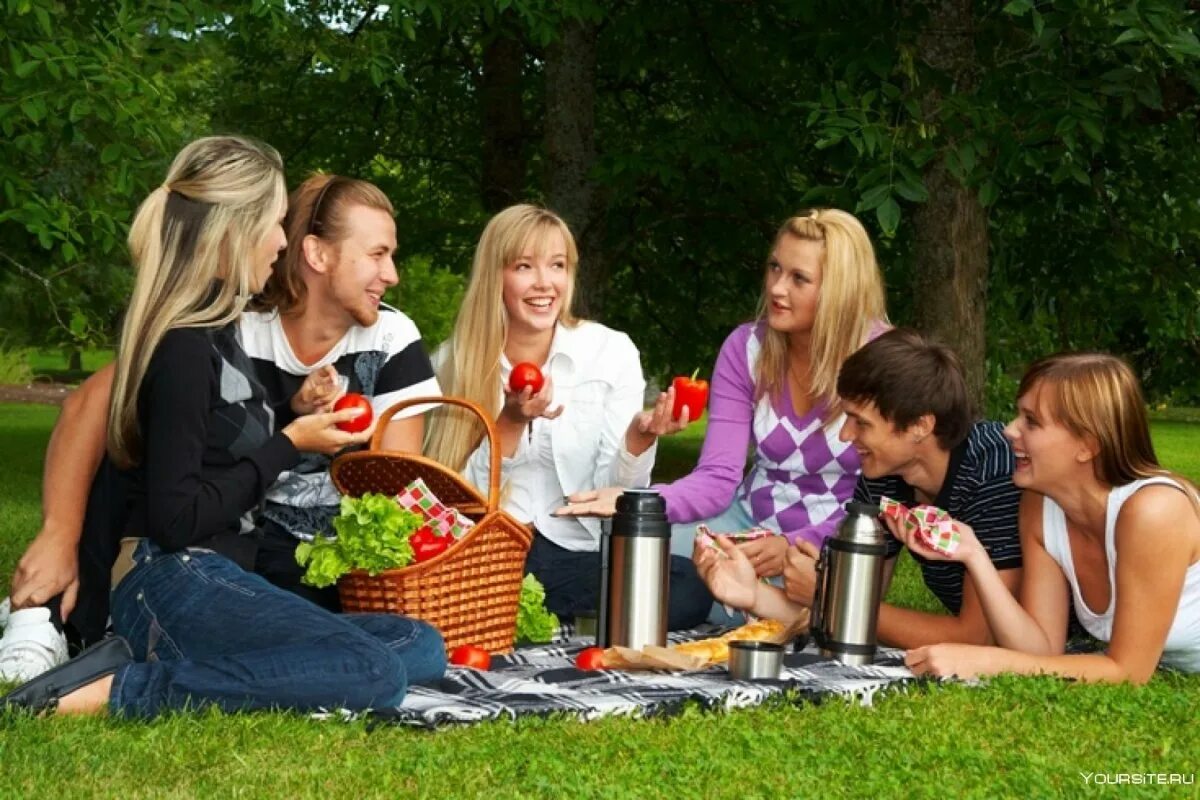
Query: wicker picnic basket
x,y
470,591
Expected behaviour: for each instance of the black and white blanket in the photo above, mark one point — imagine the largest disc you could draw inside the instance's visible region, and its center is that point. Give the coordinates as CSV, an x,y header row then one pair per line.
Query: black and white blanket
x,y
543,680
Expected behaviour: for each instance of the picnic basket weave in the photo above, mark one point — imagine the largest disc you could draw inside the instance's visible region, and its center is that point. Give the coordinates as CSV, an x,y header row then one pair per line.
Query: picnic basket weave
x,y
470,591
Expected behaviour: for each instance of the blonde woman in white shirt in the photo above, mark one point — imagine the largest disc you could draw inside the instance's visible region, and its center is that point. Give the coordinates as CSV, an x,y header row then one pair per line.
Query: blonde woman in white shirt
x,y
1103,527
584,429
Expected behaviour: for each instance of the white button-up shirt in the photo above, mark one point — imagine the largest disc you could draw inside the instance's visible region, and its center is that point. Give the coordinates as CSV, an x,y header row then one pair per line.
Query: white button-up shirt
x,y
598,381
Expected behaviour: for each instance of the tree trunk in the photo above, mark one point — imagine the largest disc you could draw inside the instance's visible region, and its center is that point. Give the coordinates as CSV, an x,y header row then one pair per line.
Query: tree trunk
x,y
570,140
951,229
504,161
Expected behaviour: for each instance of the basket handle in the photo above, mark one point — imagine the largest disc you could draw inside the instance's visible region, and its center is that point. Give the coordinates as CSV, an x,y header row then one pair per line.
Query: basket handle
x,y
489,425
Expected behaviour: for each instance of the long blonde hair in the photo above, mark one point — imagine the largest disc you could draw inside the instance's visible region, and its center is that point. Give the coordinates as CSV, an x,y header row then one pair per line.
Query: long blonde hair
x,y
851,300
1097,396
470,367
221,197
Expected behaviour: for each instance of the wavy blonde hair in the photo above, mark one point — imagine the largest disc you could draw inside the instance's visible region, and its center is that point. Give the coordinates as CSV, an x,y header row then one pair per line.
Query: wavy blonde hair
x,y
851,300
470,366
189,238
1096,396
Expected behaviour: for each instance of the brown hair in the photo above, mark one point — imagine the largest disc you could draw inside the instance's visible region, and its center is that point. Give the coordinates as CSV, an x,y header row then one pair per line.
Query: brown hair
x,y
318,207
906,376
1097,395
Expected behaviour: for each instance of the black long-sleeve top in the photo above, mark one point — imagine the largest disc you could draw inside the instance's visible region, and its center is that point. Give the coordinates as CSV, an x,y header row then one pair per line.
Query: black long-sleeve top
x,y
209,450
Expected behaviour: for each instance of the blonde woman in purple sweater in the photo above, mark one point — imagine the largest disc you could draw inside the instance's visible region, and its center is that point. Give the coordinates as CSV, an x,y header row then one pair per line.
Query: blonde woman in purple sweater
x,y
774,386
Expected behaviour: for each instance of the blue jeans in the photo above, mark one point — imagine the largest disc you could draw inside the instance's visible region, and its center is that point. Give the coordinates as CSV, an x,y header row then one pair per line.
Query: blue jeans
x,y
205,632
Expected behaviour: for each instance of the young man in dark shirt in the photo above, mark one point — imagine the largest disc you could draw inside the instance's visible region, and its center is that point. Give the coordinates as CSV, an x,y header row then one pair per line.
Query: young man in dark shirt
x,y
909,418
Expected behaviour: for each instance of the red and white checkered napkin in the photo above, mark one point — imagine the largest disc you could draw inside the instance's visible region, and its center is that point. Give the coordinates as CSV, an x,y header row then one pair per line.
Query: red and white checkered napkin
x,y
704,535
417,498
933,526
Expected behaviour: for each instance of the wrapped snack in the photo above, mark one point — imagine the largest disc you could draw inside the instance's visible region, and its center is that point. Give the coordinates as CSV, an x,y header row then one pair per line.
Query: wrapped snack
x,y
929,525
417,498
704,535
702,652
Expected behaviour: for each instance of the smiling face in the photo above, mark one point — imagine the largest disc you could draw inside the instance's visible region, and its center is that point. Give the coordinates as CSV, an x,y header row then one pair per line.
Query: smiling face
x,y
881,447
362,268
535,284
793,284
1047,454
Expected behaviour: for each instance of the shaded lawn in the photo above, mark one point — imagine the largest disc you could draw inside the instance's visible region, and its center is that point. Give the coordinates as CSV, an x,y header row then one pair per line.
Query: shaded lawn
x,y
1016,737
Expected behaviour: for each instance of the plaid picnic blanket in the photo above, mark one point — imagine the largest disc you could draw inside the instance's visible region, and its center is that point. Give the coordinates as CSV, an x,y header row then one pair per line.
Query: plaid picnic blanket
x,y
543,680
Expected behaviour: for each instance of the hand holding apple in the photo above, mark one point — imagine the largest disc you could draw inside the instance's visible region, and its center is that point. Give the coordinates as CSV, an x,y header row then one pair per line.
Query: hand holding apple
x,y
360,423
528,395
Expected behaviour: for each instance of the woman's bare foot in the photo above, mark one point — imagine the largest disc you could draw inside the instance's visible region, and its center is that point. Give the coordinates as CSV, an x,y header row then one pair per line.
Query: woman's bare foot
x,y
91,698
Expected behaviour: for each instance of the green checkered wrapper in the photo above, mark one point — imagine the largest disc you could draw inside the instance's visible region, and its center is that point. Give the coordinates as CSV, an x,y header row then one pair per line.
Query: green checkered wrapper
x,y
417,498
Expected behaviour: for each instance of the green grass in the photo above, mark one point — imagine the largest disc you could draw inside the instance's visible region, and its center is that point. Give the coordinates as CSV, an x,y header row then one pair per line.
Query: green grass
x,y
45,360
1016,737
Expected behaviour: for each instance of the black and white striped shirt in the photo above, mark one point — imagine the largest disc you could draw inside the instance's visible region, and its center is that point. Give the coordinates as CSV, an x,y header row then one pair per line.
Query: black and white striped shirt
x,y
979,491
387,362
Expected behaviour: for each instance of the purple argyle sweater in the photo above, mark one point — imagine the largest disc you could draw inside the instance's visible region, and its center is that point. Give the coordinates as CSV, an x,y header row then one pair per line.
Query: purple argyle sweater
x,y
800,476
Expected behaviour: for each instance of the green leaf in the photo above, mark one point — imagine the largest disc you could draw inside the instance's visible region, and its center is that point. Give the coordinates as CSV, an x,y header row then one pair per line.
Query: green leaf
x,y
25,68
1018,7
34,108
1131,35
372,534
1092,129
988,192
43,18
110,153
913,192
874,197
888,215
534,623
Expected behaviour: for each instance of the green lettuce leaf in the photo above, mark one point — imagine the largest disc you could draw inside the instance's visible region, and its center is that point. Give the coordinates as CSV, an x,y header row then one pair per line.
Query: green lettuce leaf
x,y
372,534
534,623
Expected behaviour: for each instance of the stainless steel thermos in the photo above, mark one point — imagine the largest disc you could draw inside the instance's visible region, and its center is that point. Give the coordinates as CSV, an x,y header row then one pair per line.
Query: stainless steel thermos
x,y
849,582
635,570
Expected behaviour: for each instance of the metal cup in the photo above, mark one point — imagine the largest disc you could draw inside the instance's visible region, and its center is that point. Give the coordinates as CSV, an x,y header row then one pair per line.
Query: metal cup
x,y
755,661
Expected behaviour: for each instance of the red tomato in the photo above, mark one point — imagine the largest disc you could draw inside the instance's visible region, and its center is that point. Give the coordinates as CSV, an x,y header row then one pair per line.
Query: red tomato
x,y
363,420
468,655
426,544
590,658
526,374
691,393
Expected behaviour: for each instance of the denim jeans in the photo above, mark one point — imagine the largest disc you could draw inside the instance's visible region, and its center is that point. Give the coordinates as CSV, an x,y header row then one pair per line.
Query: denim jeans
x,y
205,632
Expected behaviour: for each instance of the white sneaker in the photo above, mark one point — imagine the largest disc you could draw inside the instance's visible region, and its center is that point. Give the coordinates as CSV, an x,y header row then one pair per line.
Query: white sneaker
x,y
30,645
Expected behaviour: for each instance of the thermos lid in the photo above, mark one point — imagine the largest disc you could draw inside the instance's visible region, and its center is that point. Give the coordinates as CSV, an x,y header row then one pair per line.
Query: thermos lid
x,y
865,509
641,512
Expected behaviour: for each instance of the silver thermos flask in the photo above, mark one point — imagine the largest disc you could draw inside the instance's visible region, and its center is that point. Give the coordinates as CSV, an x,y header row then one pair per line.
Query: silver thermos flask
x,y
635,570
849,583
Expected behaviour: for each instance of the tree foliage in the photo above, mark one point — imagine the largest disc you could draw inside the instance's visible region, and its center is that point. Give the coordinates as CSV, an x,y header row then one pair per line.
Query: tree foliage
x,y
1077,132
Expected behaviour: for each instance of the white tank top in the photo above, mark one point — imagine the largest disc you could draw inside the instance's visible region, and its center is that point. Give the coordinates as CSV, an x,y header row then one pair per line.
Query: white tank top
x,y
1182,648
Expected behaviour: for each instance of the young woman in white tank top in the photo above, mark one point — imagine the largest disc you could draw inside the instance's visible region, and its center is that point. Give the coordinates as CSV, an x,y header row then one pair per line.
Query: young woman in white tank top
x,y
1103,526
